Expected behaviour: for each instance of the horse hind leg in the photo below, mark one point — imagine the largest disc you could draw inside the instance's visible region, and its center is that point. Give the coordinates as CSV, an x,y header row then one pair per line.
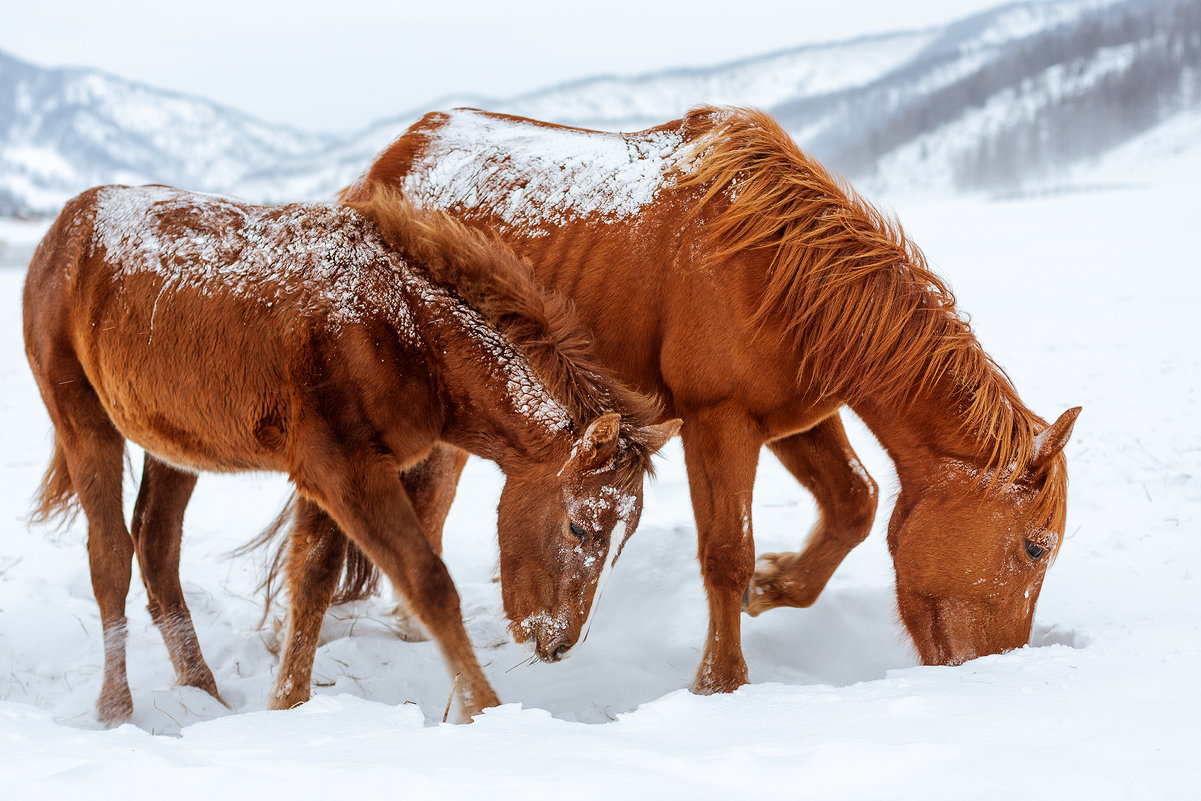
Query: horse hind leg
x,y
316,550
822,459
94,451
431,488
157,533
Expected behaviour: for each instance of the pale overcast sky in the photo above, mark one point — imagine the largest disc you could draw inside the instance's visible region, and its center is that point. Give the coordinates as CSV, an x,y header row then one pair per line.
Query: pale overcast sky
x,y
340,64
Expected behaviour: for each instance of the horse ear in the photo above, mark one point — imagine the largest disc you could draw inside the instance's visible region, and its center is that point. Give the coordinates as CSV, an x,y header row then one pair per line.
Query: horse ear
x,y
656,436
1051,441
600,438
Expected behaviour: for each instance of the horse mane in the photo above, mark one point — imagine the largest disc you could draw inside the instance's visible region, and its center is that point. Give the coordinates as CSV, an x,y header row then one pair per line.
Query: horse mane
x,y
540,322
849,291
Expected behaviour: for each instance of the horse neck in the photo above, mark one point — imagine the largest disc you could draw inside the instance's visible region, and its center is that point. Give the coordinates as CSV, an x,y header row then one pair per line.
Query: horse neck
x,y
498,408
935,422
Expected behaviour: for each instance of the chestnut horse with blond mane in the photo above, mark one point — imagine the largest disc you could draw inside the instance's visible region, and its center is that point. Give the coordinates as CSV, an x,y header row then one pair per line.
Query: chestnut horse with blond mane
x,y
310,340
731,276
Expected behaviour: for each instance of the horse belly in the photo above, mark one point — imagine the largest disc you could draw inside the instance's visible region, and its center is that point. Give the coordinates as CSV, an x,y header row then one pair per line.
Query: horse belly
x,y
197,397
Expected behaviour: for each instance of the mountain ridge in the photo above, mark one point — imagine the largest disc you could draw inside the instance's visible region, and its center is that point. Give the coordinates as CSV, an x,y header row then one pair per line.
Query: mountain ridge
x,y
1017,96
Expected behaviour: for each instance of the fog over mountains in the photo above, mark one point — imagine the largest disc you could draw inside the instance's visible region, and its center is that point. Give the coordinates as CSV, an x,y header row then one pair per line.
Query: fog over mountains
x,y
1013,99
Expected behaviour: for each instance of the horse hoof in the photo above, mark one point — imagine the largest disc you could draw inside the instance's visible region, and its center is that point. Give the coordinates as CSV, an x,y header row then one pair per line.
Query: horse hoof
x,y
111,712
780,579
286,700
761,591
716,686
468,707
709,681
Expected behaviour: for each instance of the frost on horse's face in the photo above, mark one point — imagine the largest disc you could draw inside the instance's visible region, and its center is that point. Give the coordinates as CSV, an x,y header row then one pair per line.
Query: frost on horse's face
x,y
561,533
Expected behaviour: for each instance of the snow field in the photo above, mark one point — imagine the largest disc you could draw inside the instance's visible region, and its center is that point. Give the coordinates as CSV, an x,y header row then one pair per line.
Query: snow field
x,y
1085,299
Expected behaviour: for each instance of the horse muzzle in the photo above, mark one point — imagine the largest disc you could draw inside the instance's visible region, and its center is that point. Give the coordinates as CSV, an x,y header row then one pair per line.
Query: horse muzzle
x,y
554,649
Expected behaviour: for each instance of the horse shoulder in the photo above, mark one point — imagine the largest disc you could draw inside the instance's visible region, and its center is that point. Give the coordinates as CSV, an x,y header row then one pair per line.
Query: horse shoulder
x,y
370,389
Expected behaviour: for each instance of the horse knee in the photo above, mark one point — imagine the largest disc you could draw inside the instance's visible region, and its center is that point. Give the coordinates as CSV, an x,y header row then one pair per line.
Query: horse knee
x,y
728,565
433,595
853,515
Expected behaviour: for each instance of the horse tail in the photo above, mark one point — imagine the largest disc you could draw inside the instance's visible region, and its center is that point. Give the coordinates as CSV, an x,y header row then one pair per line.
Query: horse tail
x,y
277,529
56,496
360,576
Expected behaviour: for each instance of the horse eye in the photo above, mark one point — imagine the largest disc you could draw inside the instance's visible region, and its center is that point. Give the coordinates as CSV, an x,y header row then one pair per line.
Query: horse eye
x,y
579,532
1034,550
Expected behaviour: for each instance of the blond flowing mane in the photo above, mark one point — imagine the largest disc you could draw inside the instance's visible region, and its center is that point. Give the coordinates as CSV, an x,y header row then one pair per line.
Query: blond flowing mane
x,y
502,287
855,297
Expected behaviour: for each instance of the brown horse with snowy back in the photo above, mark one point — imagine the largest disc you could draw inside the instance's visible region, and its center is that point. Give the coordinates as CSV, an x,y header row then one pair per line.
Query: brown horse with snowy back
x,y
728,274
310,340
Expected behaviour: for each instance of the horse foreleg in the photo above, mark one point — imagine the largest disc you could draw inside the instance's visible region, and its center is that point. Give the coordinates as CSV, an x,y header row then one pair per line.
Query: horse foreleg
x,y
157,533
316,550
822,459
431,485
721,452
370,505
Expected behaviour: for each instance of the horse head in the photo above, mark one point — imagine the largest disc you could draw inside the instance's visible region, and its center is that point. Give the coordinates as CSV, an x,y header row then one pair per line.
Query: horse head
x,y
971,550
562,529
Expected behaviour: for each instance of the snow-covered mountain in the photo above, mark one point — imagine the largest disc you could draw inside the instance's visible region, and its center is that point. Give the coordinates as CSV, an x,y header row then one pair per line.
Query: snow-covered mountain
x,y
1019,96
1015,98
63,130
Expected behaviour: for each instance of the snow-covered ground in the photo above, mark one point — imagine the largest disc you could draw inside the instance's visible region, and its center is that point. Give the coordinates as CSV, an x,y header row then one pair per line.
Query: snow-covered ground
x,y
1085,298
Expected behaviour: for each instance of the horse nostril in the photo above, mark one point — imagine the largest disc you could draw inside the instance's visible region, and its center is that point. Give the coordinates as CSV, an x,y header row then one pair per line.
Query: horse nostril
x,y
556,650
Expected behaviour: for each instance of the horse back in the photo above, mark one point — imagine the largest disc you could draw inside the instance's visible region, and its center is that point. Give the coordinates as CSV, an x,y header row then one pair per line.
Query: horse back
x,y
599,217
205,362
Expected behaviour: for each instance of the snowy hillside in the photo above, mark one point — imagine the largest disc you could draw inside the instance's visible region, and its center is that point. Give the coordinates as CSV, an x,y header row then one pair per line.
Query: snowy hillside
x,y
1014,98
1026,95
1031,112
64,130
